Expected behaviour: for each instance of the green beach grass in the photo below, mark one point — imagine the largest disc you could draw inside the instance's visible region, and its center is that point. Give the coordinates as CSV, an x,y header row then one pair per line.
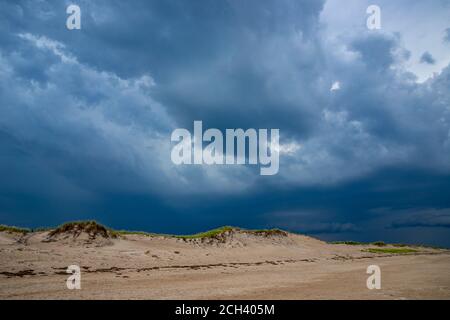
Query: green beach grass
x,y
391,250
12,229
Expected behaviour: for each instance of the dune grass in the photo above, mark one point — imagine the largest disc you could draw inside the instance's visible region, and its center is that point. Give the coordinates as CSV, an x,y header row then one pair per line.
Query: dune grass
x,y
12,229
268,232
89,226
207,234
357,243
390,250
349,243
131,232
219,231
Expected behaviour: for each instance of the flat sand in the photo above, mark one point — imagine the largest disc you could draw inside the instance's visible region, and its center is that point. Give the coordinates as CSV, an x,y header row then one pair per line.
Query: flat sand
x,y
242,266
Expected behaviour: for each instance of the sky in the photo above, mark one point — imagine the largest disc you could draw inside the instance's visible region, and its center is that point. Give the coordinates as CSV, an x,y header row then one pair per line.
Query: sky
x,y
86,115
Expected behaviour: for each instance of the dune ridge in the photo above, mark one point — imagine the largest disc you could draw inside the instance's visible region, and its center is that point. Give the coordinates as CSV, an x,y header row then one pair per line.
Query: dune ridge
x,y
226,263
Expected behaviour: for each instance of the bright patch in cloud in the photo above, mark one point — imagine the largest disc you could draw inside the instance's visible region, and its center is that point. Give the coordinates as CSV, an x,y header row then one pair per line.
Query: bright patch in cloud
x,y
336,86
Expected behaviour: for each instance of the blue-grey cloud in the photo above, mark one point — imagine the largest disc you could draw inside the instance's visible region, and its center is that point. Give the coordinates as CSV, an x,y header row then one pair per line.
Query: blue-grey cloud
x,y
311,221
447,35
425,218
427,58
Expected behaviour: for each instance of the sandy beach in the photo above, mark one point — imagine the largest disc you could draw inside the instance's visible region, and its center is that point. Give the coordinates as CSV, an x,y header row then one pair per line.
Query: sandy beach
x,y
234,265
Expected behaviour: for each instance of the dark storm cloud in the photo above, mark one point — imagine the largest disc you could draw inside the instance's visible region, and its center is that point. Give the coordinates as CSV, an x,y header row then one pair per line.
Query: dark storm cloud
x,y
376,50
227,62
447,35
86,116
427,58
425,218
313,221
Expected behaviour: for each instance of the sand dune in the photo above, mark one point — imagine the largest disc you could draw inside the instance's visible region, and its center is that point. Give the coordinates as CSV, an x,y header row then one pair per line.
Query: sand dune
x,y
228,265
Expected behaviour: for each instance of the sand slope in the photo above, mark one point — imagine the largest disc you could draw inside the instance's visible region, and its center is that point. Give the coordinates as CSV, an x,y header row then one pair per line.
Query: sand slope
x,y
235,265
